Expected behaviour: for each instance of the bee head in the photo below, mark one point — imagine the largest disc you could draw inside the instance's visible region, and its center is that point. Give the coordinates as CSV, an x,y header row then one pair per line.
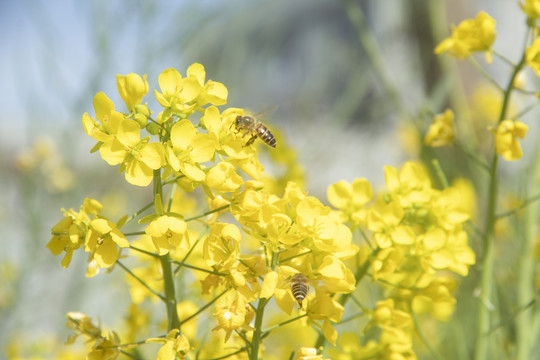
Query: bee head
x,y
239,121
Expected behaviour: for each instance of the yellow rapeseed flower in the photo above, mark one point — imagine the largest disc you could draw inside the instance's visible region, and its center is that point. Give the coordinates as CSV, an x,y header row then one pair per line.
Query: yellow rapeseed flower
x,y
223,178
441,131
70,232
506,139
305,353
178,94
230,312
350,199
137,156
470,36
532,56
222,246
168,233
132,89
103,240
436,299
316,223
212,92
531,8
176,346
189,148
109,119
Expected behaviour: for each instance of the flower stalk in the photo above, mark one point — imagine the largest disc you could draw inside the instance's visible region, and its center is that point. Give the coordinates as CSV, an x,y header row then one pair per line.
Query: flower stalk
x,y
484,312
168,281
258,329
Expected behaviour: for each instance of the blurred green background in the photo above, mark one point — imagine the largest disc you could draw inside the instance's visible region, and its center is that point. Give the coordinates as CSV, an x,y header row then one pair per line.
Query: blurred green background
x,y
341,108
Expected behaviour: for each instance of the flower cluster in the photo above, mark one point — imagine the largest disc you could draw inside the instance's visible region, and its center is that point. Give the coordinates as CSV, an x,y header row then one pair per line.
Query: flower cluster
x,y
418,234
101,237
470,36
441,132
263,240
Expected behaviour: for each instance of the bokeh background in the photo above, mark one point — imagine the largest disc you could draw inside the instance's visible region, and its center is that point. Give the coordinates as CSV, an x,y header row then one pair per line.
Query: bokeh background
x,y
343,110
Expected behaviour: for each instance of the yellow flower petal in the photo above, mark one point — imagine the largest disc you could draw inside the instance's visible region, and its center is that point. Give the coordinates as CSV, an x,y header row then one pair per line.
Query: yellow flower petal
x,y
106,253
269,285
102,105
169,80
138,173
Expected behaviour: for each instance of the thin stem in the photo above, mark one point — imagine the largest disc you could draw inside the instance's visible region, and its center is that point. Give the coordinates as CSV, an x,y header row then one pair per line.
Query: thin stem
x,y
374,53
477,66
526,331
440,173
171,180
168,280
284,323
207,213
246,341
526,110
526,203
473,156
202,309
484,312
143,251
503,58
256,339
352,317
231,354
294,256
141,281
201,235
134,215
422,336
135,233
182,264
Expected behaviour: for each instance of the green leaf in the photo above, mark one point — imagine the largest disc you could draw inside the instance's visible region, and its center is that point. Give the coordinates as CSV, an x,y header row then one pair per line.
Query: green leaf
x,y
148,218
96,147
173,214
121,222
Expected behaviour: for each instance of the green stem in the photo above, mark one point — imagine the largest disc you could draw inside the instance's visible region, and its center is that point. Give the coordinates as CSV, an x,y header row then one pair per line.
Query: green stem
x,y
294,256
525,329
140,280
373,51
134,215
525,204
166,266
284,323
255,341
440,173
423,338
182,264
485,308
207,213
488,77
203,308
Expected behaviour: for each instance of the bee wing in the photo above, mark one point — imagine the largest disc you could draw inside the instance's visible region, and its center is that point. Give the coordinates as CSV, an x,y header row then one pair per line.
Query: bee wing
x,y
265,112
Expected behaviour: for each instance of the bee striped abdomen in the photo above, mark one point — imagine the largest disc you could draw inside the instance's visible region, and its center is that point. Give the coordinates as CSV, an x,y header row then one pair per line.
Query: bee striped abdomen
x,y
266,135
299,287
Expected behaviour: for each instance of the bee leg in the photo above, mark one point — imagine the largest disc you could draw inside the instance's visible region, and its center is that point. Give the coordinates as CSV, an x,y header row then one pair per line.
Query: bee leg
x,y
251,140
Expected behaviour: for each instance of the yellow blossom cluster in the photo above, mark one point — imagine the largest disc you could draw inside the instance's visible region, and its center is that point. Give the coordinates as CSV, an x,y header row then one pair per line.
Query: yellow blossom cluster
x,y
101,237
470,36
264,241
417,234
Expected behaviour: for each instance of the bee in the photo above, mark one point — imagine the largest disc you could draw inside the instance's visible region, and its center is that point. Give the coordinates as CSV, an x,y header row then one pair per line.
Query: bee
x,y
251,125
299,287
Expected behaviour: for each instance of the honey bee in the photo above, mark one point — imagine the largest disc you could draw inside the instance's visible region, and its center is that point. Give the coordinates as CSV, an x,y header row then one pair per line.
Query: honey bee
x,y
299,287
251,125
